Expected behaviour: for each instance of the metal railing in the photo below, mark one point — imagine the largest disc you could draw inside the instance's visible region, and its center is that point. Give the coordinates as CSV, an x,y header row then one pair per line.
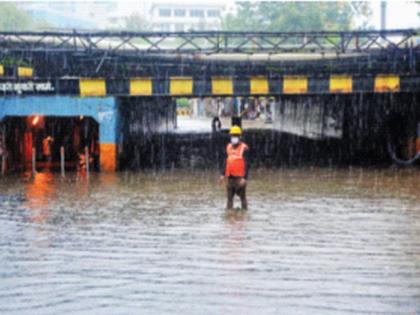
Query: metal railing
x,y
211,42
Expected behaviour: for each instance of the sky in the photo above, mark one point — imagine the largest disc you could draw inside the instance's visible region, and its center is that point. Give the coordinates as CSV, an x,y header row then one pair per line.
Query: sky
x,y
400,14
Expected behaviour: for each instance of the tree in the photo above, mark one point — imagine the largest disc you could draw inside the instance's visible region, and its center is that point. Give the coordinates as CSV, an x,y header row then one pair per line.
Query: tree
x,y
298,16
13,19
136,22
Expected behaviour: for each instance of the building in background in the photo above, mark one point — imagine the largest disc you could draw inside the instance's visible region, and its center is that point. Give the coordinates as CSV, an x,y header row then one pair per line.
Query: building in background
x,y
186,15
158,15
81,15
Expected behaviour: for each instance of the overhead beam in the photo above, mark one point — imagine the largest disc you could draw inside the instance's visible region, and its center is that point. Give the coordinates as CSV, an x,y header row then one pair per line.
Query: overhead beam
x,y
210,42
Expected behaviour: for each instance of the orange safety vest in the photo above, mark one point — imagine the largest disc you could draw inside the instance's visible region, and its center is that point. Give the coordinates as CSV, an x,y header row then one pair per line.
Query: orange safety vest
x,y
235,164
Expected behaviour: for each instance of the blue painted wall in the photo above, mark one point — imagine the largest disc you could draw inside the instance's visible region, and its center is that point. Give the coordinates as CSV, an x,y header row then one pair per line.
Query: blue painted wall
x,y
102,109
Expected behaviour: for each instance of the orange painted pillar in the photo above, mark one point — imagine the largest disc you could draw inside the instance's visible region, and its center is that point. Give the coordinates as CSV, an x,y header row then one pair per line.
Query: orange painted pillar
x,y
108,157
108,118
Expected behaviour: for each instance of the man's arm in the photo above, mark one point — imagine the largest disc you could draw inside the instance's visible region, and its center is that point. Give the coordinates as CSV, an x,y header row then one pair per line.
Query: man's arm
x,y
247,163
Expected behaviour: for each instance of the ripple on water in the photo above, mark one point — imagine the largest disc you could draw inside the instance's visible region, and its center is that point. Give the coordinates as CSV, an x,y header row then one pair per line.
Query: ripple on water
x,y
315,241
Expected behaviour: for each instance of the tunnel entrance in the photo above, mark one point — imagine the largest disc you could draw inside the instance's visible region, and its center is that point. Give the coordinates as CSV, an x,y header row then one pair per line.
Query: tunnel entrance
x,y
403,137
209,114
41,139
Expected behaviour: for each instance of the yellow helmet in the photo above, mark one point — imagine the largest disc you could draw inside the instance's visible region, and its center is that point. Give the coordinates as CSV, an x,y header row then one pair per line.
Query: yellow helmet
x,y
235,130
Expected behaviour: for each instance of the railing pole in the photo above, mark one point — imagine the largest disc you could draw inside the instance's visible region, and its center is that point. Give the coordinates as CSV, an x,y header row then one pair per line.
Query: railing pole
x,y
33,160
62,159
87,160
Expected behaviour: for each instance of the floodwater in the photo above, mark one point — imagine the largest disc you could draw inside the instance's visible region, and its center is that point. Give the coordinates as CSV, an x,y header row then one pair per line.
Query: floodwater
x,y
314,241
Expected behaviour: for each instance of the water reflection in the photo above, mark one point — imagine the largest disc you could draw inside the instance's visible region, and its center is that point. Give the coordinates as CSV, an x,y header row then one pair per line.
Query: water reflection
x,y
236,252
39,190
313,241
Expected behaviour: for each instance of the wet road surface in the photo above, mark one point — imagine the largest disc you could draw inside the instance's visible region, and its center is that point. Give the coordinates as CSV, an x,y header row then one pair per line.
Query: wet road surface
x,y
314,241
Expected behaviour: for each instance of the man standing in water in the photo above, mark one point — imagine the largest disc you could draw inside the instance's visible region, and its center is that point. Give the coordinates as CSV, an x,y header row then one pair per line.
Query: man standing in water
x,y
46,148
235,169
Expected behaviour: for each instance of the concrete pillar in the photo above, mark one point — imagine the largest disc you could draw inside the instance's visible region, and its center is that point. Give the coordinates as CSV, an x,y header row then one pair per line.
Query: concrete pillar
x,y
108,117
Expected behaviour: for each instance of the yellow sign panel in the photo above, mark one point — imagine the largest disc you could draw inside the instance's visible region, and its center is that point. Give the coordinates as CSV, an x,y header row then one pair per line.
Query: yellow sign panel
x,y
387,83
1,70
181,86
341,84
92,87
259,85
141,86
221,86
295,84
25,72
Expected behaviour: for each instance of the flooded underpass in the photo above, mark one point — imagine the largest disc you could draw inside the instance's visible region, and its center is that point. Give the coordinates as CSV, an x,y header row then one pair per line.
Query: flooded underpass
x,y
111,198
314,241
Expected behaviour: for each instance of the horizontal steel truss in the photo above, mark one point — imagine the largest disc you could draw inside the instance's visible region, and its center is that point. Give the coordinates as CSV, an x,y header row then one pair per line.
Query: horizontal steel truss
x,y
138,43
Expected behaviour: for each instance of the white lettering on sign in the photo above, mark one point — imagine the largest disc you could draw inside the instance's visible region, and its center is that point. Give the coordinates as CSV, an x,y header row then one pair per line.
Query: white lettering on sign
x,y
26,87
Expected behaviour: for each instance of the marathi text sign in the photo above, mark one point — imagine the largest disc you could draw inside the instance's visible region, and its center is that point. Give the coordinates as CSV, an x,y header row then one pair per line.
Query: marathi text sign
x,y
26,87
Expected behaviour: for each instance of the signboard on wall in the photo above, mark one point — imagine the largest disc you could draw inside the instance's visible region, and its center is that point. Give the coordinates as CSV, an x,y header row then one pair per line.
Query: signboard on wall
x,y
28,87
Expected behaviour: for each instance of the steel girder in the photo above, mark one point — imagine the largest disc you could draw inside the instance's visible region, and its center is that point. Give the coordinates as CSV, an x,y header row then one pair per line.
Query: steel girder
x,y
210,42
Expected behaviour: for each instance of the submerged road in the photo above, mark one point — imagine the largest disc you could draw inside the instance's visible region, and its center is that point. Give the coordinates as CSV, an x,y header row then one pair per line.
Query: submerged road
x,y
314,241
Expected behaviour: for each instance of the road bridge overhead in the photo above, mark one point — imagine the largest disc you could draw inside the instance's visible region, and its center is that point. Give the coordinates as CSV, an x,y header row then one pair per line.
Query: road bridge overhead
x,y
140,68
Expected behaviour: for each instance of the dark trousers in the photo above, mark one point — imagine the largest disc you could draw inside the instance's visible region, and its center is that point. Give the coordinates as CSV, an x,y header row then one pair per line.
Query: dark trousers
x,y
233,188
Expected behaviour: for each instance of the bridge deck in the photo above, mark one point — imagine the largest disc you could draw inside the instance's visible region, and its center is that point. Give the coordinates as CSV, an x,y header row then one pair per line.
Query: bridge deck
x,y
215,86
